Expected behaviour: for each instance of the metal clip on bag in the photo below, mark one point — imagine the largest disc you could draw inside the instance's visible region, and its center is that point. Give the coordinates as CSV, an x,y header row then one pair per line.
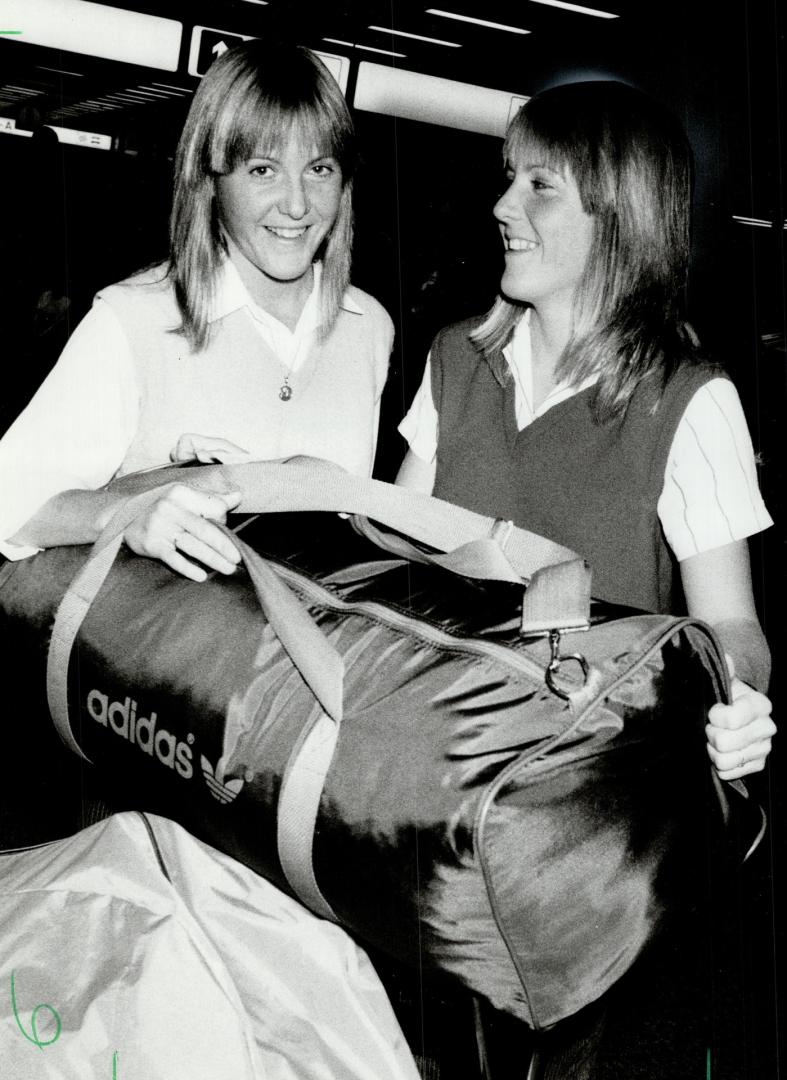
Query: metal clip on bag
x,y
409,745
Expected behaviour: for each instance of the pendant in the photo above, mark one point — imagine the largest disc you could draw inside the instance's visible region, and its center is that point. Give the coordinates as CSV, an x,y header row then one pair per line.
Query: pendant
x,y
285,392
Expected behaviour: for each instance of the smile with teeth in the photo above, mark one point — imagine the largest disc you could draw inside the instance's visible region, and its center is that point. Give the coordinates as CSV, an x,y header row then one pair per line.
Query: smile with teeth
x,y
514,243
287,234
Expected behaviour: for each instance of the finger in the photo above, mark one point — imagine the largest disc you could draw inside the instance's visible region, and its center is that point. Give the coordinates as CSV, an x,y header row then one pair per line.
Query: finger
x,y
202,531
184,449
206,552
207,449
752,759
743,710
741,767
223,456
728,742
171,557
213,505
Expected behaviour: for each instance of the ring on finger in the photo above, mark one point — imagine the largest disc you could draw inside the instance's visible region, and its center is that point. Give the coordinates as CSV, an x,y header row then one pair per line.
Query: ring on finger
x,y
742,762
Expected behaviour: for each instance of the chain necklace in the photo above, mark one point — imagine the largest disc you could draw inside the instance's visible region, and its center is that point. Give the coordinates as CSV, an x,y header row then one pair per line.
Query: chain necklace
x,y
285,390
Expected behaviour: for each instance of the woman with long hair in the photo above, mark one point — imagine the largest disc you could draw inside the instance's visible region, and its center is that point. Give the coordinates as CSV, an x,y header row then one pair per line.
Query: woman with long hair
x,y
581,405
249,342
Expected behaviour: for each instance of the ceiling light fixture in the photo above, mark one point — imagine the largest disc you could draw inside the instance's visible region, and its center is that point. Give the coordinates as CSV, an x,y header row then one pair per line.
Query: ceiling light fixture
x,y
577,8
763,224
416,37
476,22
366,48
178,89
60,71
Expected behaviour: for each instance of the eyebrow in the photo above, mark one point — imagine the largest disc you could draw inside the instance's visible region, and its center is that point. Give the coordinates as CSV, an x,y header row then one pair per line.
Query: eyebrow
x,y
527,166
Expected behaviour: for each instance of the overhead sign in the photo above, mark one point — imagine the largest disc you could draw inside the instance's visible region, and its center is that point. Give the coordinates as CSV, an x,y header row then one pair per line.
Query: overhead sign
x,y
82,138
208,43
432,100
8,127
79,26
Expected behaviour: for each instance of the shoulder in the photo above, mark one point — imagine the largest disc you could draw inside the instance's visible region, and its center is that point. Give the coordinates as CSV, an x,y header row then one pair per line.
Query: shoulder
x,y
715,406
358,302
149,290
457,335
664,401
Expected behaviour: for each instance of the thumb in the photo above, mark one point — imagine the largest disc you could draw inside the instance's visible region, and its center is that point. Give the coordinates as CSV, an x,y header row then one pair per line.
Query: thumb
x,y
730,665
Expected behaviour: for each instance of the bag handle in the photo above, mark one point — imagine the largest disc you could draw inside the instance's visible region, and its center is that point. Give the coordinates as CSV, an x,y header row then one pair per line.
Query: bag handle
x,y
558,595
315,658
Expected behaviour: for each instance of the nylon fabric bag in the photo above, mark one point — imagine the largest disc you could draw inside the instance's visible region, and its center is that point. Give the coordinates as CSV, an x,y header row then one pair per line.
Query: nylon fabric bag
x,y
132,951
413,776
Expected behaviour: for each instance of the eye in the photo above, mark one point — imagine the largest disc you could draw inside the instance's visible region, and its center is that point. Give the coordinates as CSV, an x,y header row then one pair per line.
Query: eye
x,y
540,185
324,169
261,170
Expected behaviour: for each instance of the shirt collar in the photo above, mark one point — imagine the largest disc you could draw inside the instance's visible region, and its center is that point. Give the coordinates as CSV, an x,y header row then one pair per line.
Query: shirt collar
x,y
231,294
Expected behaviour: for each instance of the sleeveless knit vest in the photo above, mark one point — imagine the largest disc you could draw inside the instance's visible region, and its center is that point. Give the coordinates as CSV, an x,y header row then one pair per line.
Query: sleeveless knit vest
x,y
230,389
592,487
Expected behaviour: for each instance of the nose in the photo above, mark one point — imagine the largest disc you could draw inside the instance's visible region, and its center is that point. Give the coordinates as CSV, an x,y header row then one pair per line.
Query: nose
x,y
505,208
294,201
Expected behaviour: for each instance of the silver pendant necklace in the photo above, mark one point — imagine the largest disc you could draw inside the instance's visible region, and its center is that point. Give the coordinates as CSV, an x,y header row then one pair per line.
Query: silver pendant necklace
x,y
285,390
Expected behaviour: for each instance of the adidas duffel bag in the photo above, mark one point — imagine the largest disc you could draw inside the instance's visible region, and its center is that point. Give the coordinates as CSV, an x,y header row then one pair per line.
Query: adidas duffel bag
x,y
403,747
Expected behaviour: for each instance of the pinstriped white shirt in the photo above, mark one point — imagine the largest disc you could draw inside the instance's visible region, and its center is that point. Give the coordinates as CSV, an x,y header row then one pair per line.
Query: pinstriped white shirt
x,y
710,496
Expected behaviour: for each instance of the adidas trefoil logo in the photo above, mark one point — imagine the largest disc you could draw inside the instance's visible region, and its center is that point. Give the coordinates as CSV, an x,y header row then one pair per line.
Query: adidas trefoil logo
x,y
224,791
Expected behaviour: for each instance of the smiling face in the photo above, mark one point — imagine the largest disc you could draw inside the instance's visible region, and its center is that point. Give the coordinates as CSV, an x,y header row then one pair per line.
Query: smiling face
x,y
276,209
546,233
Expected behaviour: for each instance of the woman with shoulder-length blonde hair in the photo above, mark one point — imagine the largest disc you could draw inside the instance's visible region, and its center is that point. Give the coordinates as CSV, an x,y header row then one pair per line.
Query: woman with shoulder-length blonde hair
x,y
581,406
249,342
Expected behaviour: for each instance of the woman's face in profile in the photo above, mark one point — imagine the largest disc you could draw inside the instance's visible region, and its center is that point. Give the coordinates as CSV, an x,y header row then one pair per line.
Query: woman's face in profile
x,y
277,208
546,233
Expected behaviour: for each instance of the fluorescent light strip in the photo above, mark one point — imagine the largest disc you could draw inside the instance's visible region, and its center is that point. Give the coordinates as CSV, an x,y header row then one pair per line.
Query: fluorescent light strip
x,y
180,89
160,93
127,95
263,2
60,71
415,37
761,222
22,89
476,22
151,95
577,8
366,48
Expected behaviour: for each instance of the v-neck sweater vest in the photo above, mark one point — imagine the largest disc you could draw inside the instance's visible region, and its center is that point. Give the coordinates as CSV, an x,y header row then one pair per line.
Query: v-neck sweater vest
x,y
231,388
589,486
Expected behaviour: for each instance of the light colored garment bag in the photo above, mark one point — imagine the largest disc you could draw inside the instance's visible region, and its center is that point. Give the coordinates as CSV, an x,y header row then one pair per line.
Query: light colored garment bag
x,y
132,951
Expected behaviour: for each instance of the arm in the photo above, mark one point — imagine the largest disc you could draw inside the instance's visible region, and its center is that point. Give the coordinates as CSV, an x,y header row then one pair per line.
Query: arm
x,y
177,525
420,428
415,474
717,587
70,441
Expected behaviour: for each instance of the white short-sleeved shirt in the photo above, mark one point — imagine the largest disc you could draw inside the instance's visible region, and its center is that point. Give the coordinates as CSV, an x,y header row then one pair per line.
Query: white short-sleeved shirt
x,y
710,497
82,420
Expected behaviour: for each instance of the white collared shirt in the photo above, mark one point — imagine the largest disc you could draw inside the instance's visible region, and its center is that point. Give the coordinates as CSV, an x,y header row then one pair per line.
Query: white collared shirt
x,y
79,425
711,495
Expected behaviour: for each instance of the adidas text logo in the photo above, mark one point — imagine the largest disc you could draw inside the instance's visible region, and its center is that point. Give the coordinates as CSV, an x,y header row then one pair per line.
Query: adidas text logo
x,y
121,717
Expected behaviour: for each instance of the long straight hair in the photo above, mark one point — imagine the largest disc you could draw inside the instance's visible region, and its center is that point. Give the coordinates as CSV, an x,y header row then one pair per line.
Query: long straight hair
x,y
632,164
254,95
